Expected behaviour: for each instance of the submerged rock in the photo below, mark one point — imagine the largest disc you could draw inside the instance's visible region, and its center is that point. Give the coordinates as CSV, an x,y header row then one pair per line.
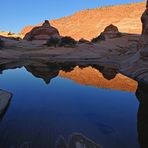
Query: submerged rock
x,y
43,32
77,140
5,98
61,143
80,141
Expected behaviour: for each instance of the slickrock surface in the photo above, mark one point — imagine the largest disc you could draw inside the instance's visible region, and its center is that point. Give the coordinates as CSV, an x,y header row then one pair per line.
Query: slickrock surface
x,y
109,50
137,66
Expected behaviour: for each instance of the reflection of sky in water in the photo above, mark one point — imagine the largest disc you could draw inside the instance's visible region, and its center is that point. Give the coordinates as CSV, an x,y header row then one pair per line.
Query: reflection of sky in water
x,y
39,113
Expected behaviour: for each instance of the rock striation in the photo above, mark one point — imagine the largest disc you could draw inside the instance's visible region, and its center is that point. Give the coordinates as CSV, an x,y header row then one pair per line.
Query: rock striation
x,y
137,66
43,32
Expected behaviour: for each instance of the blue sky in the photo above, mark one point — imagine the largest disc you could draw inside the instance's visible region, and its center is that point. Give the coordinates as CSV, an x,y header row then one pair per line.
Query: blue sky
x,y
15,14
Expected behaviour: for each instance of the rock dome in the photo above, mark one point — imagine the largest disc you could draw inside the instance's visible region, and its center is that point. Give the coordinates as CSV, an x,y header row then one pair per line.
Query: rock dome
x,y
111,31
43,32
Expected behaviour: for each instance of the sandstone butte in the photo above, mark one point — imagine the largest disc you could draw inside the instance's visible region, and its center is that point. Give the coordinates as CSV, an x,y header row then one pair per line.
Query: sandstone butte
x,y
89,23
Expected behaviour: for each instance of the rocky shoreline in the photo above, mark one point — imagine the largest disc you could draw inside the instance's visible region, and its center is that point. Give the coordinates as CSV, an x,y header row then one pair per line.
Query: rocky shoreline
x,y
112,53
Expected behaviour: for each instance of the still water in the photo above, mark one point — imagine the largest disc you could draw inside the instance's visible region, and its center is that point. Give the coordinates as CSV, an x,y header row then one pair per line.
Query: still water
x,y
68,109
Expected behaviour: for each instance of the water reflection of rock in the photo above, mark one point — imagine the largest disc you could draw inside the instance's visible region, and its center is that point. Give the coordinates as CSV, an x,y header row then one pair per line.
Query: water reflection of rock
x,y
93,75
48,71
142,117
77,141
107,71
43,72
9,65
85,74
101,77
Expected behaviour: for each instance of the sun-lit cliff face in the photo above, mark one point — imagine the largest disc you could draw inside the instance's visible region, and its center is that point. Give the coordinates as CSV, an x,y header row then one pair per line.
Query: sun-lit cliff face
x,y
92,77
89,23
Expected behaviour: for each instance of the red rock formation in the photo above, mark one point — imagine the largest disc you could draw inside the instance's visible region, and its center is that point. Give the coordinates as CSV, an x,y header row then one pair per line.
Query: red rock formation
x,y
89,23
111,31
144,37
43,32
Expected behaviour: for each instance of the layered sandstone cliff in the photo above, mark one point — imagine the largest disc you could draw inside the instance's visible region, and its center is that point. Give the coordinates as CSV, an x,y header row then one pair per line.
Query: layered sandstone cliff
x,y
90,23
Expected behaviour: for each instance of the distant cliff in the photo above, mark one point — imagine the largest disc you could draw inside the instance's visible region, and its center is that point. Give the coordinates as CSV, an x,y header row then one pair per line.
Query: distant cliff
x,y
89,23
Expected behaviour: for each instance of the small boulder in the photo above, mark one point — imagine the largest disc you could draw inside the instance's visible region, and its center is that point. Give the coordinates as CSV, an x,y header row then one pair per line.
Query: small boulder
x,y
5,98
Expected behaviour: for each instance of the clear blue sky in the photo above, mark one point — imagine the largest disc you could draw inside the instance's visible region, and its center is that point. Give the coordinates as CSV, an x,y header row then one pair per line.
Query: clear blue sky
x,y
15,14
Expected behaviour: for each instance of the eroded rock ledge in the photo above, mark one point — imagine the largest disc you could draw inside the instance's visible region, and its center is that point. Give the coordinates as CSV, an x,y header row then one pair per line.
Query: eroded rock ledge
x,y
137,66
